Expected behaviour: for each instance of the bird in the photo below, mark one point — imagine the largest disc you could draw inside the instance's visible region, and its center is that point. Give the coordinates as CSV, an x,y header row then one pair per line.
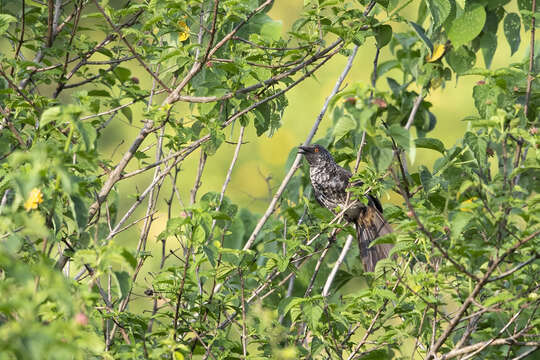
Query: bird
x,y
330,182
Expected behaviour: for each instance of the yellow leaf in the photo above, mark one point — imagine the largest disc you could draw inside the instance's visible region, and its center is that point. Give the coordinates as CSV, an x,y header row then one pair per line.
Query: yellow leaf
x,y
183,33
468,205
34,198
438,52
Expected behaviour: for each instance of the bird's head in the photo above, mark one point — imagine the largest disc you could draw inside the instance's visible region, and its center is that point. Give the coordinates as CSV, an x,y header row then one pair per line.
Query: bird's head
x,y
315,154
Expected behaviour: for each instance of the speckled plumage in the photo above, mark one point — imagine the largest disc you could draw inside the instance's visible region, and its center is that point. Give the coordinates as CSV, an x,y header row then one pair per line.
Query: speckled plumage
x,y
330,181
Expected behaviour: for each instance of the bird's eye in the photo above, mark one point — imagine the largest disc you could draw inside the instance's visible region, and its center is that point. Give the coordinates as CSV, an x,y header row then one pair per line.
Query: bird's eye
x,y
316,149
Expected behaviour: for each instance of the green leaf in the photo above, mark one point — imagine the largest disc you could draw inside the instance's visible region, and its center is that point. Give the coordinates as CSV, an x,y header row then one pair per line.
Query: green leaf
x,y
262,118
343,126
5,20
287,304
79,210
199,235
103,93
439,9
512,28
385,294
430,143
88,134
488,44
123,283
459,220
383,35
50,115
382,157
123,74
422,34
313,313
126,111
467,26
128,256
461,60
493,4
272,30
386,66
400,135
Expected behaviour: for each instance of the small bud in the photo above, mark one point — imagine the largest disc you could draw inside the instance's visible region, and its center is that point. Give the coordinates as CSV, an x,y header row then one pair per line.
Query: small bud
x,y
380,103
533,130
148,292
350,101
481,82
209,63
410,214
81,319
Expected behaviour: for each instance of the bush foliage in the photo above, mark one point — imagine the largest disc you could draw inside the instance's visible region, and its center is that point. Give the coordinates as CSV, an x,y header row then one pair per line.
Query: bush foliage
x,y
221,282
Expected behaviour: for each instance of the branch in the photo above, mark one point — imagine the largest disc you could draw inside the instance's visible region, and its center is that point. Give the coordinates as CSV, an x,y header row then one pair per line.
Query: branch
x,y
423,229
530,76
317,267
341,258
197,184
265,83
296,163
50,7
414,110
516,268
227,179
244,331
197,66
118,30
479,286
21,39
468,349
114,175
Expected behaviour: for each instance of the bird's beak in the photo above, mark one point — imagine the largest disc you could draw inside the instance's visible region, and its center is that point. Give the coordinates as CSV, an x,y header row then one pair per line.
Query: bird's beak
x,y
303,149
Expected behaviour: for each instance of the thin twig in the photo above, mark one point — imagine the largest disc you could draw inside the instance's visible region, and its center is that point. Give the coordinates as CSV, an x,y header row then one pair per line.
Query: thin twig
x,y
414,110
341,258
197,184
21,39
530,76
244,331
227,178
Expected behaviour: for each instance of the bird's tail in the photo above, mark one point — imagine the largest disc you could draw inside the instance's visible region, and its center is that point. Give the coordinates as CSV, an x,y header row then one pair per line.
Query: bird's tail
x,y
371,225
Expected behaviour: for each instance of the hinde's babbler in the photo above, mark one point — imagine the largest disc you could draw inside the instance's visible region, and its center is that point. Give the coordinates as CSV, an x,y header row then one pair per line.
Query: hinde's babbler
x,y
330,182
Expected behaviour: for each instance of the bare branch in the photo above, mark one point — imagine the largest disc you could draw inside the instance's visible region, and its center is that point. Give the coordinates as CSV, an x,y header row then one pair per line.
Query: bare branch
x,y
415,107
341,258
530,76
197,184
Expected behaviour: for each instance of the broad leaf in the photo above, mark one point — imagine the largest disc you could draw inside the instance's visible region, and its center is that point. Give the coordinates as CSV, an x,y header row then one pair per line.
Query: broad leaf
x,y
512,28
467,26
